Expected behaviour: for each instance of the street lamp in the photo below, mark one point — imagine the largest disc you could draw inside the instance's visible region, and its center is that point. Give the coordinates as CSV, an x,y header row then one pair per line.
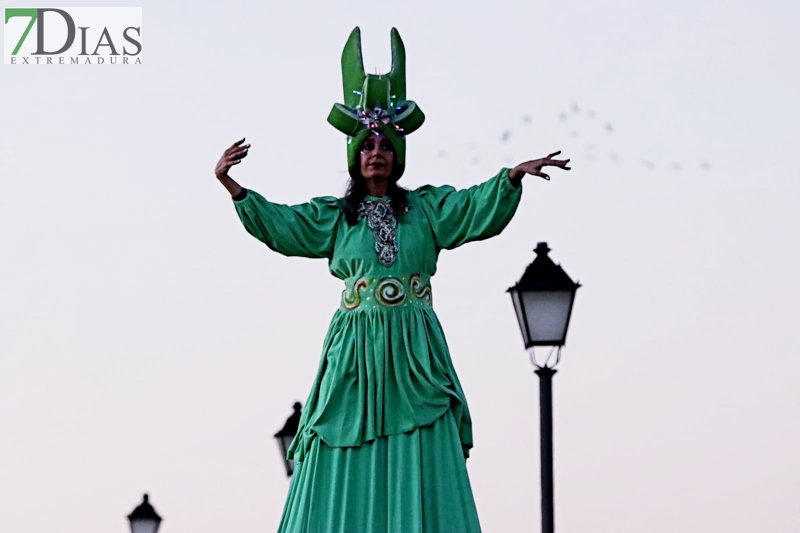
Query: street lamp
x,y
543,300
144,518
286,435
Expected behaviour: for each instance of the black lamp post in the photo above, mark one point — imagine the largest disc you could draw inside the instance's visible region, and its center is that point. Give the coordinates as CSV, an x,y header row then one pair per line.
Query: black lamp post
x,y
286,435
144,518
543,300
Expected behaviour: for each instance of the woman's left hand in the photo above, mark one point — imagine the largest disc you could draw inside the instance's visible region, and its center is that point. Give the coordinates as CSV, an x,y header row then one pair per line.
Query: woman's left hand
x,y
535,167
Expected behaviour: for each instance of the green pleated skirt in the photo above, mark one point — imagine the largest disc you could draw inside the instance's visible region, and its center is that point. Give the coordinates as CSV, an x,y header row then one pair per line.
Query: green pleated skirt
x,y
415,482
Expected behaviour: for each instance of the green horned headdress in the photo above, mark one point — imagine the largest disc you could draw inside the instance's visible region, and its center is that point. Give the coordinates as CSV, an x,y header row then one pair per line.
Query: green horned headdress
x,y
375,102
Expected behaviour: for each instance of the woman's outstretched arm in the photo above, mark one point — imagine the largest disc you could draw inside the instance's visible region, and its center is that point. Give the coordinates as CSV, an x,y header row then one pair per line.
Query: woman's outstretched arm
x,y
304,230
535,166
482,211
231,156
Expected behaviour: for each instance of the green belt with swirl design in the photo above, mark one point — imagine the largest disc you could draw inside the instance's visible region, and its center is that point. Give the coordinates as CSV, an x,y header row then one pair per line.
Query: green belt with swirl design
x,y
372,292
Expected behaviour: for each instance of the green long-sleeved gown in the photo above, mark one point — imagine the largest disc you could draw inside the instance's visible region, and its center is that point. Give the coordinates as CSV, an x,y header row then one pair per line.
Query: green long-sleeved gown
x,y
386,429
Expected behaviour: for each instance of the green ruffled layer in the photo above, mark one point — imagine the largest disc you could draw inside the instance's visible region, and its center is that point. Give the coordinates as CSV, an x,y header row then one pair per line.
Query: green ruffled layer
x,y
384,371
415,482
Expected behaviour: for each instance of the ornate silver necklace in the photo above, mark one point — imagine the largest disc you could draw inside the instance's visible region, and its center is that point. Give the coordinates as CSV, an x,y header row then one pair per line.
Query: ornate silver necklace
x,y
382,222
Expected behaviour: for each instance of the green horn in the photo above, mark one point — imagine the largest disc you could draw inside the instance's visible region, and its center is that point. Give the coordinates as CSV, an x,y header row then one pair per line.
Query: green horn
x,y
398,73
353,74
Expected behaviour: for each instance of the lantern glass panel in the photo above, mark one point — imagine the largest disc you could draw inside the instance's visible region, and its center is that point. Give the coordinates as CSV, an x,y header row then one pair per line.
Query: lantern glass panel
x,y
144,525
523,326
284,441
547,313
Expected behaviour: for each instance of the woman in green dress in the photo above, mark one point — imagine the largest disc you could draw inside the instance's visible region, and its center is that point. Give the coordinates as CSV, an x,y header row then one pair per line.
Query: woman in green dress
x,y
386,430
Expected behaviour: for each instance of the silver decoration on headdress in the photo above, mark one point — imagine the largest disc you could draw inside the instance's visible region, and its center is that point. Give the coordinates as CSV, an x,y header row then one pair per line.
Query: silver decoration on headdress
x,y
375,118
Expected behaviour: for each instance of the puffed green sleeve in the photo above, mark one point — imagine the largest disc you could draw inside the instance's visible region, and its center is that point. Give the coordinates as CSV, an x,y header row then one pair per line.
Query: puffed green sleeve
x,y
461,216
303,230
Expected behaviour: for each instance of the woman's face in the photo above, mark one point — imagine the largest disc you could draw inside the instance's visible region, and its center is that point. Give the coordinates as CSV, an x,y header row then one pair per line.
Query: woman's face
x,y
377,157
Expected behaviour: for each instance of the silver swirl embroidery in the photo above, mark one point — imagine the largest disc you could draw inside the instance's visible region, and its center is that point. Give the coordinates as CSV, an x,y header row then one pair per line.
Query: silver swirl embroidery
x,y
381,219
352,299
420,291
390,292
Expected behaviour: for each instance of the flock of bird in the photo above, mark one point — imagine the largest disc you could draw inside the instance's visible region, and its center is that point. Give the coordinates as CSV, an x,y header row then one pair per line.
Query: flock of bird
x,y
566,118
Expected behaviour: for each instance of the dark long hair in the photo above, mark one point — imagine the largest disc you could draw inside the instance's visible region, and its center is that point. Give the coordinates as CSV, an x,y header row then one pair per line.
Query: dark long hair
x,y
357,190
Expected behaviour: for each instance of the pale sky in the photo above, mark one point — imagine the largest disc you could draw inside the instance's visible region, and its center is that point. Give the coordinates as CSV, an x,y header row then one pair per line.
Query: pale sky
x,y
149,344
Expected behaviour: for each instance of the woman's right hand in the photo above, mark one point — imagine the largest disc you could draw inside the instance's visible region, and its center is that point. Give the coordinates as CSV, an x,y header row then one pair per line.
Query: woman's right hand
x,y
231,156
